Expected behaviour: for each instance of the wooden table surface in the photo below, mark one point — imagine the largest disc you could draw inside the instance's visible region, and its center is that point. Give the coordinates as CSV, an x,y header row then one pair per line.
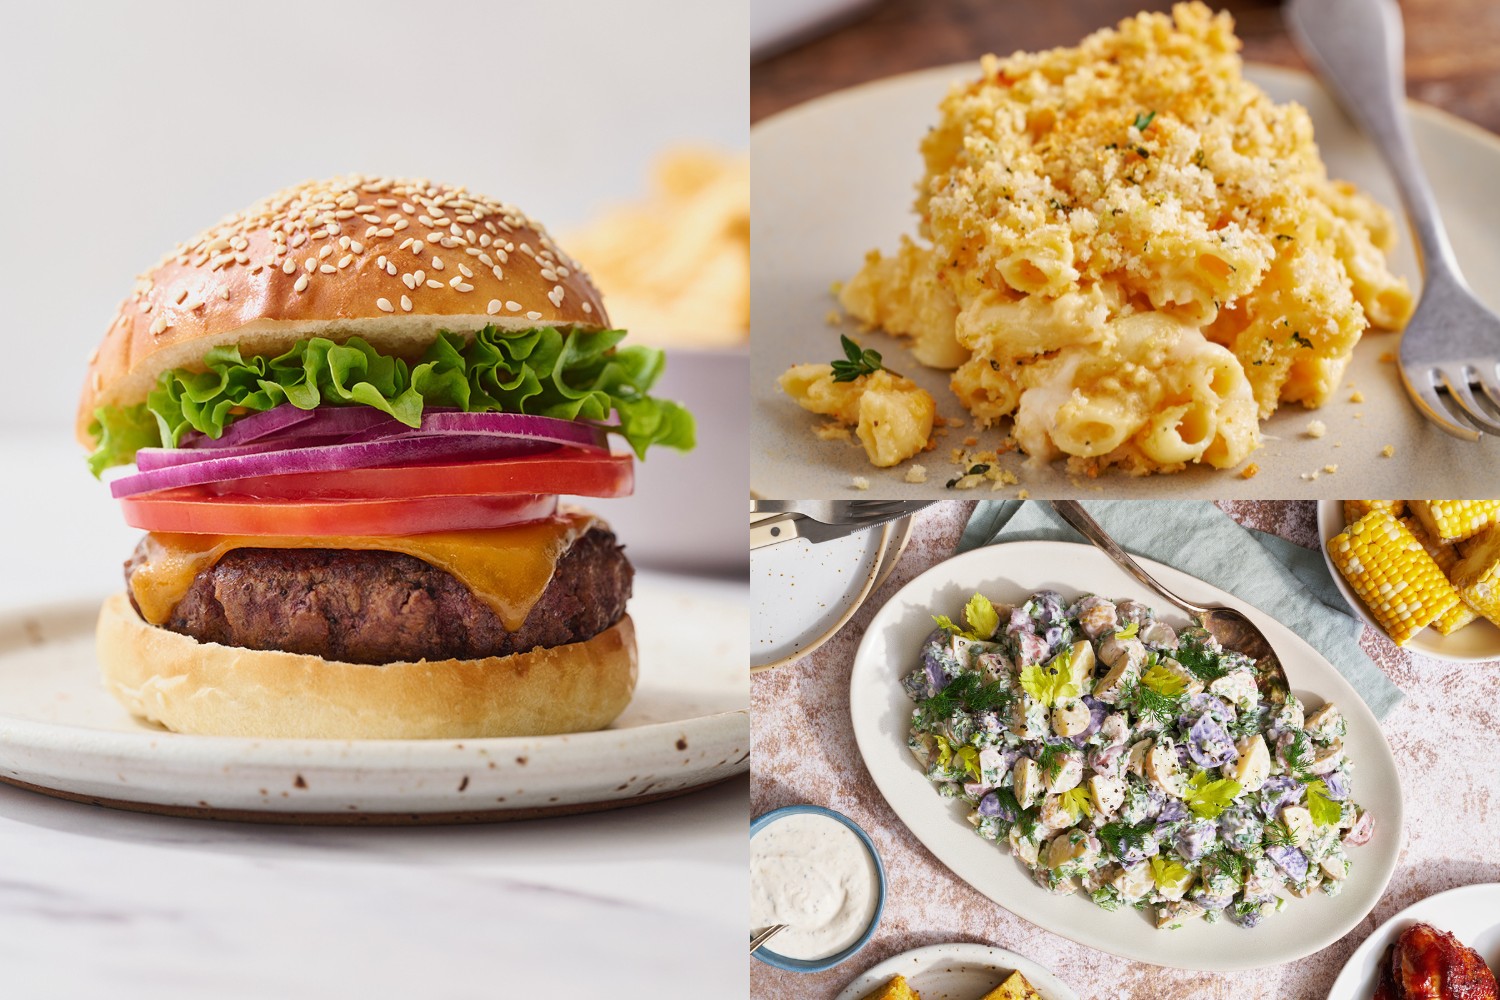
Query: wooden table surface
x,y
803,749
1452,46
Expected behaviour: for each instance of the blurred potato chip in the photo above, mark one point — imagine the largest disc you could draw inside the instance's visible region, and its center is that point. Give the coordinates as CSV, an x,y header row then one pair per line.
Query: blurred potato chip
x,y
675,267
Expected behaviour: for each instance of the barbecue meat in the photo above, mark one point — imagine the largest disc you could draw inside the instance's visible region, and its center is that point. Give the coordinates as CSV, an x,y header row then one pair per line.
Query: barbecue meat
x,y
1428,964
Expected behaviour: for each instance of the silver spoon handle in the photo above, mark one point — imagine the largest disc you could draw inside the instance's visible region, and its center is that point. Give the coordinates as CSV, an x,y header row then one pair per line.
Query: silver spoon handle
x,y
765,936
1356,45
1072,511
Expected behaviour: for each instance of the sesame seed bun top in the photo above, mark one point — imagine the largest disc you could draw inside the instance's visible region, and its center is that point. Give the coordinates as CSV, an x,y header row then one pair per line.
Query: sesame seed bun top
x,y
387,259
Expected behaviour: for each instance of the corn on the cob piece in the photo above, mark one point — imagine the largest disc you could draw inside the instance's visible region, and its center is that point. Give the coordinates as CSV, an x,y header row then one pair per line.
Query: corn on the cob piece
x,y
1477,576
1356,509
1447,557
1456,520
1392,574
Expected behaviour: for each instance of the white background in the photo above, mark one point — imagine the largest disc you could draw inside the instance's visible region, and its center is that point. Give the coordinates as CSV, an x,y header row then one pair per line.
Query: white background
x,y
126,127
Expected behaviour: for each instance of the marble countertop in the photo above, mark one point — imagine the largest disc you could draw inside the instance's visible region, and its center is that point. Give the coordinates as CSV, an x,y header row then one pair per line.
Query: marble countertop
x,y
803,751
646,901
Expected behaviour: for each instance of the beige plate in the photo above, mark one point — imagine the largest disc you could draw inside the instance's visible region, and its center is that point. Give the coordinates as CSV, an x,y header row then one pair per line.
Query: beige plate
x,y
687,727
832,179
957,971
894,547
804,593
1474,643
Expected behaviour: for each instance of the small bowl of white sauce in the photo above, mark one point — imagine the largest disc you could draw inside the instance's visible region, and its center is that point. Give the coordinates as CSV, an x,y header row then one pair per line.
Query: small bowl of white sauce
x,y
817,872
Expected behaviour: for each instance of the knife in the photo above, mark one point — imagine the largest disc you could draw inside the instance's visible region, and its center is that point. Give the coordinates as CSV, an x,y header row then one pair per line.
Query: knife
x,y
792,526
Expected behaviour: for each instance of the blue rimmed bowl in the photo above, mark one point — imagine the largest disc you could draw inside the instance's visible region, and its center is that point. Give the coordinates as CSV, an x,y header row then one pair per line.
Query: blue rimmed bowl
x,y
772,958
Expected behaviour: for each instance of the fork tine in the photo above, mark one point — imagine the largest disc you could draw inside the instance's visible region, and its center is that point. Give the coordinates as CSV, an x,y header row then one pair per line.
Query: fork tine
x,y
1458,391
1423,390
1490,388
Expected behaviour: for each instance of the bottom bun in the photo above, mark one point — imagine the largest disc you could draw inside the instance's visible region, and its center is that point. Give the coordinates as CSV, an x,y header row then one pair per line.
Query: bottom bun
x,y
203,687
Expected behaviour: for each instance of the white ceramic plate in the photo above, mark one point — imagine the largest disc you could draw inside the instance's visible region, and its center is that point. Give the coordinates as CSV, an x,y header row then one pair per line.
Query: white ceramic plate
x,y
833,178
1010,572
1474,643
804,593
688,726
1470,913
958,971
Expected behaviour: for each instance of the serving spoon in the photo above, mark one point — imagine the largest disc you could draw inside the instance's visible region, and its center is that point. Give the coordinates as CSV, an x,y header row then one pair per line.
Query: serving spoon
x,y
1230,627
765,936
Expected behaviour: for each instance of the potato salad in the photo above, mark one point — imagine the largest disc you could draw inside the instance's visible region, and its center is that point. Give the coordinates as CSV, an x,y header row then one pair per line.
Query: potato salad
x,y
1135,762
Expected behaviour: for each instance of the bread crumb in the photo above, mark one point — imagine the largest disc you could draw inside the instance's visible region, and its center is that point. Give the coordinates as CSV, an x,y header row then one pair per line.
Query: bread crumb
x,y
1250,471
860,483
971,441
1024,495
1310,476
1316,428
836,288
1330,468
1338,444
1388,451
1356,397
916,474
832,431
955,421
1359,416
832,318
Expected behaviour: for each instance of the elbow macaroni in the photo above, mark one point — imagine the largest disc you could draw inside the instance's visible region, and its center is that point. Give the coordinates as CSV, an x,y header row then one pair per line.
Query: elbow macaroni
x,y
1132,252
891,415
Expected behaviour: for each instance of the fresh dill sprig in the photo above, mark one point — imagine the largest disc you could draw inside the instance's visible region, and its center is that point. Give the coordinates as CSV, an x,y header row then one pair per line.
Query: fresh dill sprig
x,y
1143,120
1298,756
1193,653
968,692
1120,836
1160,708
1051,759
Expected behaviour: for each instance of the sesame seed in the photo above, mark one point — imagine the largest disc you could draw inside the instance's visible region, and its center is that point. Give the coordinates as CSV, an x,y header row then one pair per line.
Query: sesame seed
x,y
495,306
513,306
434,283
310,264
420,275
328,249
405,304
465,271
289,265
418,247
548,274
384,305
356,246
400,225
328,269
297,240
390,268
587,308
463,286
406,243
385,233
533,316
180,296
224,294
380,262
409,281
345,260
437,263
301,285
160,326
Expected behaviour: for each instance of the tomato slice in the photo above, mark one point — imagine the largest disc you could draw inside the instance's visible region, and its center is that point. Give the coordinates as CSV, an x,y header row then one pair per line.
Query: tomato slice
x,y
195,510
570,471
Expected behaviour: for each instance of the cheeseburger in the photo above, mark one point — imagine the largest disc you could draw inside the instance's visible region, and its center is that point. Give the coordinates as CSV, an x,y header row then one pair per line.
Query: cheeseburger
x,y
350,411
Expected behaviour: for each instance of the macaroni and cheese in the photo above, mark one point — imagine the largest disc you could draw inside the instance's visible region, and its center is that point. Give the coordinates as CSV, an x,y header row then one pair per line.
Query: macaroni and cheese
x,y
1132,252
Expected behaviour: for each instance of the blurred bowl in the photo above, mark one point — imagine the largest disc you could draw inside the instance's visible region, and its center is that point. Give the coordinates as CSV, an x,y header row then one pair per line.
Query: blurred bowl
x,y
688,510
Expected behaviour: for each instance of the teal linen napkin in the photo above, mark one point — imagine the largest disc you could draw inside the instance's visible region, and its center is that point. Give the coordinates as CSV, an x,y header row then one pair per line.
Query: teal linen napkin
x,y
1286,581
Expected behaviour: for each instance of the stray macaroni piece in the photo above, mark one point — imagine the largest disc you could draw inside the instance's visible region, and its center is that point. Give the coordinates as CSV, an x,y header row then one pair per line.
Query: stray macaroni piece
x,y
1388,451
1316,428
1330,469
1250,471
916,474
1356,397
890,414
1129,250
675,267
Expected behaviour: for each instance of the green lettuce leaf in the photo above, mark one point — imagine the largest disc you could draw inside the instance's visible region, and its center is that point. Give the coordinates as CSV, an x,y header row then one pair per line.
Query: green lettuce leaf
x,y
552,372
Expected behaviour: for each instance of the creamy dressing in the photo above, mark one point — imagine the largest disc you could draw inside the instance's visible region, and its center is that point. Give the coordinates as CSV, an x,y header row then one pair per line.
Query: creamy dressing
x,y
815,875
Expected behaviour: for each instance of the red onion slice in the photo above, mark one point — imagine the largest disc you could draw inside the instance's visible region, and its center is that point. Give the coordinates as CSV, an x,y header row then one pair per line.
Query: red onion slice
x,y
252,428
327,458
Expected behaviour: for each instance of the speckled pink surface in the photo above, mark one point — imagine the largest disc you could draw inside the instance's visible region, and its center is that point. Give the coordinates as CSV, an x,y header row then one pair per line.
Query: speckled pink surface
x,y
803,751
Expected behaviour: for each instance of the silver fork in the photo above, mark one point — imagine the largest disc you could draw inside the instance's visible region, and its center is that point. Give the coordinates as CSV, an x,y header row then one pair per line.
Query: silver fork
x,y
1451,348
840,511
1232,628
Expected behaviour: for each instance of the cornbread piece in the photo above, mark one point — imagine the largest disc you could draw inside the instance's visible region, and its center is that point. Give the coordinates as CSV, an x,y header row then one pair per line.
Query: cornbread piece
x,y
1135,178
1477,576
1447,557
1392,574
896,989
891,415
1356,509
1456,520
1015,987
